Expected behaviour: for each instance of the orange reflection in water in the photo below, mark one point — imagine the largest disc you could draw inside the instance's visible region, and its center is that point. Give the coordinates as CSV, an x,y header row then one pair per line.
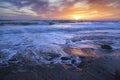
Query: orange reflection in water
x,y
80,52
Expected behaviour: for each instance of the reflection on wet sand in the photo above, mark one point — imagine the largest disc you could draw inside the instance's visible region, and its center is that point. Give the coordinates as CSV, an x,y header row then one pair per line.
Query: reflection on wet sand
x,y
90,52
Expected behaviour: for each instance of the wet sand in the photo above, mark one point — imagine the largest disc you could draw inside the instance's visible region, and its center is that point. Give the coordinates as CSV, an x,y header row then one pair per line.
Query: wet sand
x,y
102,68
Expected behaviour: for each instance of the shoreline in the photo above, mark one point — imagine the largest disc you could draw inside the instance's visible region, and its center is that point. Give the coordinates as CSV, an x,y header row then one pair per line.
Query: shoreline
x,y
102,68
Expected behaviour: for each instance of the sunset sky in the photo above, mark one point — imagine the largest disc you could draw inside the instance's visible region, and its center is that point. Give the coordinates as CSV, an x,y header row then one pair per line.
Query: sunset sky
x,y
60,9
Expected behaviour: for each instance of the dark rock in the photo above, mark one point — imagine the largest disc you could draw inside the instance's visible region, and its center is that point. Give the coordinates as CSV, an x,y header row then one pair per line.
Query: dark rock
x,y
54,55
51,62
13,61
50,58
117,75
106,47
73,61
65,58
51,23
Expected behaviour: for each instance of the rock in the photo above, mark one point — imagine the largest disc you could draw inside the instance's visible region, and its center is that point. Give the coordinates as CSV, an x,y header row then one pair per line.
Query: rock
x,y
65,58
50,59
53,55
51,62
106,47
117,75
73,61
51,23
13,61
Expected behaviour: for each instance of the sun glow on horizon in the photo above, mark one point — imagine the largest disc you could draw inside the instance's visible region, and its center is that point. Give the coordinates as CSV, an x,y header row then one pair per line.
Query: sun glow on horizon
x,y
76,17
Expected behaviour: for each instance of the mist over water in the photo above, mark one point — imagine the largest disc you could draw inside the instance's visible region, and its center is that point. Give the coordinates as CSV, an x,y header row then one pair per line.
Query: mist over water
x,y
49,43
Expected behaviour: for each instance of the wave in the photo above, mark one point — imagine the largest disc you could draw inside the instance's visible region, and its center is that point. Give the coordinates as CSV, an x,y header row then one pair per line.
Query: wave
x,y
61,43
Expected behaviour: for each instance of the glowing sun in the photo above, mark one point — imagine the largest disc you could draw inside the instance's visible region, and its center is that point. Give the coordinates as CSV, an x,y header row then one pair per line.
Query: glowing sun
x,y
76,17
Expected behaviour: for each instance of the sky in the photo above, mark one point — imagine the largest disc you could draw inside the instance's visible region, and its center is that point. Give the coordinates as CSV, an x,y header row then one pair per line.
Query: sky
x,y
60,9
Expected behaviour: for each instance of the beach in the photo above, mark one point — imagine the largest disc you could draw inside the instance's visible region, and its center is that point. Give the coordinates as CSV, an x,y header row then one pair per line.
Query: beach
x,y
60,50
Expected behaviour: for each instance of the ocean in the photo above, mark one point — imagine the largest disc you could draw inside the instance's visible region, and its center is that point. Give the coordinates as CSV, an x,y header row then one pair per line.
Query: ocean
x,y
55,41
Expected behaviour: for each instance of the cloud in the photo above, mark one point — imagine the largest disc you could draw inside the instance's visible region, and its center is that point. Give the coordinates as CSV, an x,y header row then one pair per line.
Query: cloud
x,y
57,8
114,4
81,4
27,10
28,7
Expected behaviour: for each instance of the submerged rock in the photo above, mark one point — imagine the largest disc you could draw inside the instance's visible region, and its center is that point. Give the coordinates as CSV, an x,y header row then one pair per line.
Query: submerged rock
x,y
51,23
13,61
73,61
106,47
65,58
